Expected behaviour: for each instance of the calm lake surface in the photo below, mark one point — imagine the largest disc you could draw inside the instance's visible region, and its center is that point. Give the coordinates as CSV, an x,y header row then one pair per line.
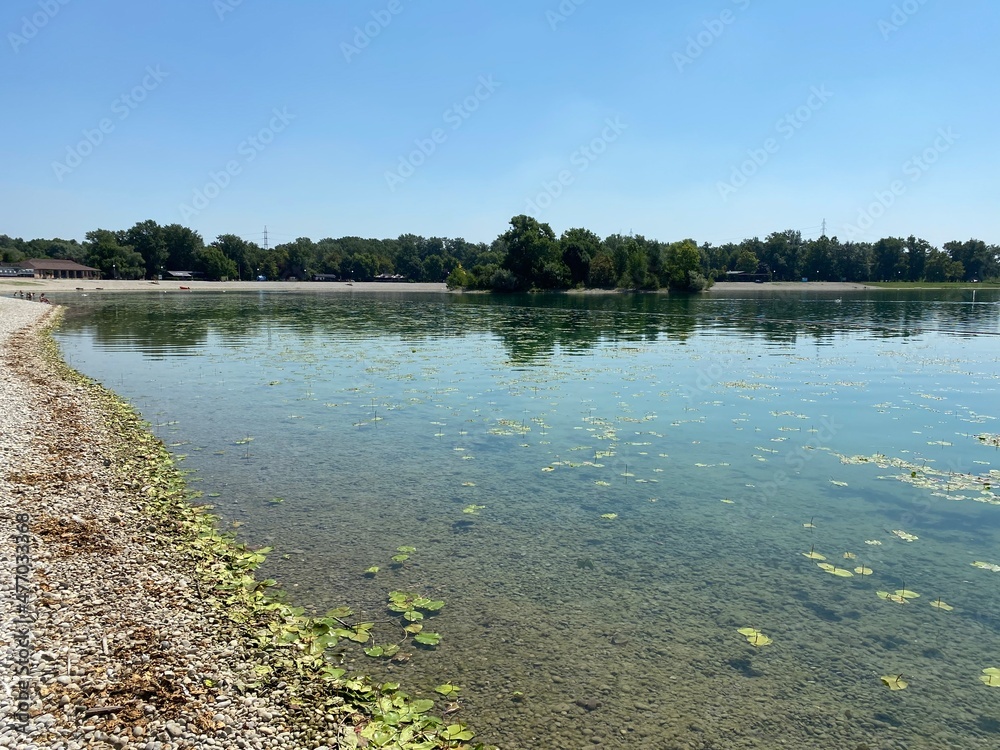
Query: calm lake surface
x,y
605,489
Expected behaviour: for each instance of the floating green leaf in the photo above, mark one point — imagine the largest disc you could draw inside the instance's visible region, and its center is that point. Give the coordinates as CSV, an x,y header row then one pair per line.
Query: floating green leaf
x,y
894,681
991,677
427,639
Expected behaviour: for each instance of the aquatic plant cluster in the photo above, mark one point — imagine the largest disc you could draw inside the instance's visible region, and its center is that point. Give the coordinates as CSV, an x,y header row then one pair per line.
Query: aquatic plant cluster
x,y
293,649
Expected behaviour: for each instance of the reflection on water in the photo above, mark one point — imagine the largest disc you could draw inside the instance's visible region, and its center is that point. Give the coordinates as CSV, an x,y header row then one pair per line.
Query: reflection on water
x,y
605,489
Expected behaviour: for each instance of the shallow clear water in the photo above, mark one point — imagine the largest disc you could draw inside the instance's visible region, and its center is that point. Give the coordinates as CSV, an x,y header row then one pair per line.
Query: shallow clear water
x,y
715,428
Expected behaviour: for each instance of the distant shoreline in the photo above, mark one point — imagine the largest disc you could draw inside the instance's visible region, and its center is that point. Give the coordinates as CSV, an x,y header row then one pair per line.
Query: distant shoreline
x,y
8,286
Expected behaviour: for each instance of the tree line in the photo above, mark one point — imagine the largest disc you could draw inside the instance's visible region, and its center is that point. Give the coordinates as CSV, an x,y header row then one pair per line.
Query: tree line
x,y
528,255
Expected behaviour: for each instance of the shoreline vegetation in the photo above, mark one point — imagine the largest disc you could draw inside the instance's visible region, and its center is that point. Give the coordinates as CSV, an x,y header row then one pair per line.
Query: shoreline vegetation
x,y
528,256
135,621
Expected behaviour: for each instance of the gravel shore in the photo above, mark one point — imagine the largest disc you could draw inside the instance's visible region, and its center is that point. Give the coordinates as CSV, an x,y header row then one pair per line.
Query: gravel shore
x,y
106,641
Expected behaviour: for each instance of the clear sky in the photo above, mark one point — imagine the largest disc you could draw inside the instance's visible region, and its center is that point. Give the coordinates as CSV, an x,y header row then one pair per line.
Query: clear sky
x,y
711,119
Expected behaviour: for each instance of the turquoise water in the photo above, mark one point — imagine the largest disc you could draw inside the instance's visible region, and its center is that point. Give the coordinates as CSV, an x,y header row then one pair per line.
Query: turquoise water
x,y
604,490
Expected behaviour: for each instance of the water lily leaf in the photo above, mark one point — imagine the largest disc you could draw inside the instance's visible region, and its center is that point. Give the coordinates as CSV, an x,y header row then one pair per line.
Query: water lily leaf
x,y
891,597
422,706
894,681
827,567
850,556
609,516
986,566
406,550
447,689
942,605
991,677
456,732
904,536
861,570
842,572
755,637
907,594
814,555
427,639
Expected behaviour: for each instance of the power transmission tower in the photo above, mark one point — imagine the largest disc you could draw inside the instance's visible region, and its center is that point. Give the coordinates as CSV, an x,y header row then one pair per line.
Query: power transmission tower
x,y
265,238
824,227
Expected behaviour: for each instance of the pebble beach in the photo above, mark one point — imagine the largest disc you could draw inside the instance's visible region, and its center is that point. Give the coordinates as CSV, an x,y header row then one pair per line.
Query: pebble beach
x,y
106,638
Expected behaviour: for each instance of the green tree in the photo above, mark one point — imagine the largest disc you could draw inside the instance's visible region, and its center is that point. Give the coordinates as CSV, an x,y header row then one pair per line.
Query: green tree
x,y
579,246
245,255
602,271
531,247
115,261
916,257
746,261
212,262
979,260
182,246
889,260
683,267
148,240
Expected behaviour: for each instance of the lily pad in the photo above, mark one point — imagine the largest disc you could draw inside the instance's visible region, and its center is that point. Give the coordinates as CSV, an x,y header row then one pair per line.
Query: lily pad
x,y
891,597
861,570
755,637
813,555
986,566
907,594
991,677
937,603
609,516
894,681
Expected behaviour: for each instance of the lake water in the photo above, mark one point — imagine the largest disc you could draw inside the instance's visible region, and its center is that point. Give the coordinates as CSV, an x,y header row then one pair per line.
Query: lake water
x,y
605,489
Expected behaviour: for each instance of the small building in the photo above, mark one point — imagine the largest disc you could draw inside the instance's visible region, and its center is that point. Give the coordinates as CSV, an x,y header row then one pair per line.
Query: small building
x,y
325,277
7,272
54,268
744,276
390,277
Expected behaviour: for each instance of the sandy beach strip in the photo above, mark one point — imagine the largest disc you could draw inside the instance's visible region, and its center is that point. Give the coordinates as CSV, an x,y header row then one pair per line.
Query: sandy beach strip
x,y
50,286
106,640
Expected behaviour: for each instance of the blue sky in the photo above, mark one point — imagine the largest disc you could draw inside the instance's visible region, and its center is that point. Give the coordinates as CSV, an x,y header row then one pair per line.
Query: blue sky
x,y
717,119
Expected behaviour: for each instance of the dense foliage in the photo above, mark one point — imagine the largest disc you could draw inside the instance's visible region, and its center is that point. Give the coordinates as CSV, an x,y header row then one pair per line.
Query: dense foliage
x,y
527,256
